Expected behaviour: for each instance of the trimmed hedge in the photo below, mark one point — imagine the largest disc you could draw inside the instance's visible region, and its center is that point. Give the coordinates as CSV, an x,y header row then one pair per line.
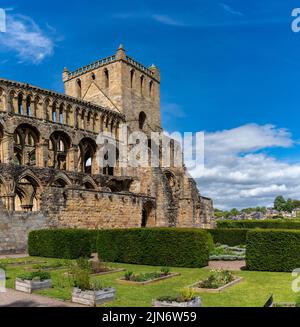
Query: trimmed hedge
x,y
268,224
155,246
273,250
60,243
229,236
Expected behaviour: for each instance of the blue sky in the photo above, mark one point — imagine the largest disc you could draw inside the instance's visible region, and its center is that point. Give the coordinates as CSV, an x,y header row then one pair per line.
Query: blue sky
x,y
228,67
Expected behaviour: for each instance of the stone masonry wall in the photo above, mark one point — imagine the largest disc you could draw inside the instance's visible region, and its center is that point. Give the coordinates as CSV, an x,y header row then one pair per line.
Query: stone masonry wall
x,y
65,208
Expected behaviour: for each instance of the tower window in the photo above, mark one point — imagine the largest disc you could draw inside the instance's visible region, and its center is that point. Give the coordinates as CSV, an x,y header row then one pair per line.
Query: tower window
x,y
142,120
142,84
93,76
78,85
132,74
151,89
106,78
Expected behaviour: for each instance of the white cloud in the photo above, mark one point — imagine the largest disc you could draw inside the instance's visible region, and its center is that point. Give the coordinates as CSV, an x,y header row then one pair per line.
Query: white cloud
x,y
239,174
160,18
167,20
230,10
25,38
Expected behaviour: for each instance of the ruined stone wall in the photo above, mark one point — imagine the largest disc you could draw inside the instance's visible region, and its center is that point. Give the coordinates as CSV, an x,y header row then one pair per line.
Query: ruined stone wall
x,y
72,208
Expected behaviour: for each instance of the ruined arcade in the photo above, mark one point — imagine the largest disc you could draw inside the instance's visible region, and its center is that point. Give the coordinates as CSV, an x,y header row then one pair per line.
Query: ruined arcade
x,y
49,176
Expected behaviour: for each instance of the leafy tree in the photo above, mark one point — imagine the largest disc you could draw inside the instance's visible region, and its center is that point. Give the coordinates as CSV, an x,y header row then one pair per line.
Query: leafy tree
x,y
279,203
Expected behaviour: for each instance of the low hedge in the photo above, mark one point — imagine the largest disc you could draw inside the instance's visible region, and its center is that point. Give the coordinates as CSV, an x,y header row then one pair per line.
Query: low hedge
x,y
268,224
60,243
155,246
229,236
273,250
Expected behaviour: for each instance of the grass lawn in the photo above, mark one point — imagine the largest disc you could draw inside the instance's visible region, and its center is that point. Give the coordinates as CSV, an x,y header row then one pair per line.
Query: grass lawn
x,y
253,291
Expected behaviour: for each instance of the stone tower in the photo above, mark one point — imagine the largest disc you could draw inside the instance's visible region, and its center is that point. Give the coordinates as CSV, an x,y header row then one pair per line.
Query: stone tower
x,y
121,84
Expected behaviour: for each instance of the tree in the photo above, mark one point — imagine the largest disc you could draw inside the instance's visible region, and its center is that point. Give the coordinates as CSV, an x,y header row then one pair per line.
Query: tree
x,y
280,203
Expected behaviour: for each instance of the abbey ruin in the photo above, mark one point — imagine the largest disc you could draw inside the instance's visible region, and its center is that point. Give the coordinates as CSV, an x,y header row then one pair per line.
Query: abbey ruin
x,y
49,176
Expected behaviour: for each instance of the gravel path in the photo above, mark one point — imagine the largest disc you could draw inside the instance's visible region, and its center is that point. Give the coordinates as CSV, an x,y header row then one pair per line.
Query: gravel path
x,y
12,298
227,265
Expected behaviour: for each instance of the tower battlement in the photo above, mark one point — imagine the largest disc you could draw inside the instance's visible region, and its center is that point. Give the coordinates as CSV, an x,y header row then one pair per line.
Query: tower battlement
x,y
122,84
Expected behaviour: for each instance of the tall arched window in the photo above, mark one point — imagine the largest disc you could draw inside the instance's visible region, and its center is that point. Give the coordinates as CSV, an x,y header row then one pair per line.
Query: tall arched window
x,y
59,145
61,114
142,120
20,105
106,78
26,139
54,112
28,106
132,75
87,153
142,84
78,88
151,89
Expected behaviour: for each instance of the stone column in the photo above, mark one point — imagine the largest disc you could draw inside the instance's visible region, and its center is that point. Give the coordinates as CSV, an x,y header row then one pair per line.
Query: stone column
x,y
72,162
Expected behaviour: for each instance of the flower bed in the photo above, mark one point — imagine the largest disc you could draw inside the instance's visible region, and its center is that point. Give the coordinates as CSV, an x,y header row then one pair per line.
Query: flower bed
x,y
32,282
147,278
186,299
217,281
85,291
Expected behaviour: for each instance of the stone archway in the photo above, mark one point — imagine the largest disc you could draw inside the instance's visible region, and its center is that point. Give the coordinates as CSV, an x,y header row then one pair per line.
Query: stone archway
x,y
148,215
27,194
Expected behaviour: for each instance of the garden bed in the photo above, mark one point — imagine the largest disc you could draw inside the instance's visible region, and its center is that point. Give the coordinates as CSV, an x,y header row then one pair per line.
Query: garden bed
x,y
35,281
111,271
92,298
217,281
215,290
145,279
195,303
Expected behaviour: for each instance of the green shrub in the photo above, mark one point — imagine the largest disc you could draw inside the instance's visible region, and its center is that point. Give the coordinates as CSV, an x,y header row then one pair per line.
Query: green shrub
x,y
229,236
155,246
273,250
267,224
60,243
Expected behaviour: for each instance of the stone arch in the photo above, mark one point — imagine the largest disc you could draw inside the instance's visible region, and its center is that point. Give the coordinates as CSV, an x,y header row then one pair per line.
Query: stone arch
x,y
87,149
61,180
27,192
3,193
59,146
26,140
148,215
89,183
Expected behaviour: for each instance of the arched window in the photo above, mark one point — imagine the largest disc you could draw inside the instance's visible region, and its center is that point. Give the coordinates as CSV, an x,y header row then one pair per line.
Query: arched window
x,y
59,145
151,89
28,106
106,78
78,87
142,84
20,104
132,75
61,114
87,153
93,76
142,120
54,112
26,139
26,198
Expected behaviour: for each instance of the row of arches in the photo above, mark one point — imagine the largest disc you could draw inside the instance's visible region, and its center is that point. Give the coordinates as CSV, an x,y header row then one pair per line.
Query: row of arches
x,y
56,153
57,110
